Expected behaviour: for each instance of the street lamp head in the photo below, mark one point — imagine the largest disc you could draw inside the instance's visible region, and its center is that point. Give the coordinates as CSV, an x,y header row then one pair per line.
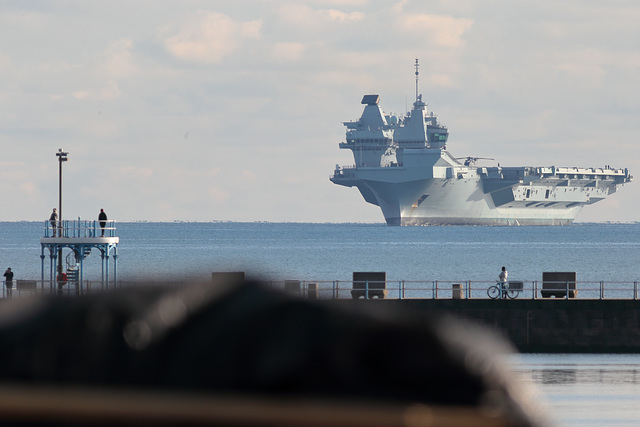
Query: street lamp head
x,y
62,155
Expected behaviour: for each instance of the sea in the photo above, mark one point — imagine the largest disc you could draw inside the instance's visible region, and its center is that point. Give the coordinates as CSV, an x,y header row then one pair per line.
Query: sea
x,y
581,389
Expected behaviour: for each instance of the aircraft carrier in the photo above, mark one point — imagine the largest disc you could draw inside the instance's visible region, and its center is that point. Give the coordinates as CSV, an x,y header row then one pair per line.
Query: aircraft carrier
x,y
403,166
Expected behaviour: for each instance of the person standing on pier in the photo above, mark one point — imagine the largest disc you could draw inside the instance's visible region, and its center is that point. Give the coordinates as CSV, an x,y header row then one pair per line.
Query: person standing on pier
x,y
503,282
8,279
53,219
102,217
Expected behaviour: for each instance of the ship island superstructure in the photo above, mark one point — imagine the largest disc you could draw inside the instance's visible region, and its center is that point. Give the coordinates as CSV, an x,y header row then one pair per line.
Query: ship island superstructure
x,y
402,165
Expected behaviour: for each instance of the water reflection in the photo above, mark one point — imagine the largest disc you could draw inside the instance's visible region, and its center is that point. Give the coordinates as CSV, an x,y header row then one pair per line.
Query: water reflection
x,y
554,376
586,389
584,376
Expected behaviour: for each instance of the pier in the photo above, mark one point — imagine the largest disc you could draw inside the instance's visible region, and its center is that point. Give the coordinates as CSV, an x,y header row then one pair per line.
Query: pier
x,y
591,317
541,325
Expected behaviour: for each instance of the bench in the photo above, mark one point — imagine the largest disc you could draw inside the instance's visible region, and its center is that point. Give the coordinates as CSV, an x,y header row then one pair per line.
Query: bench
x,y
369,285
557,284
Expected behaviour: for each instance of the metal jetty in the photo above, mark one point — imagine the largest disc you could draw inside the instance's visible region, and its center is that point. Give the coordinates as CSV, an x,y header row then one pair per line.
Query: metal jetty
x,y
79,237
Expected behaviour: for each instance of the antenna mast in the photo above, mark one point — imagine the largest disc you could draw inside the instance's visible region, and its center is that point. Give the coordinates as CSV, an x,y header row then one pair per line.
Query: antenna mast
x,y
417,73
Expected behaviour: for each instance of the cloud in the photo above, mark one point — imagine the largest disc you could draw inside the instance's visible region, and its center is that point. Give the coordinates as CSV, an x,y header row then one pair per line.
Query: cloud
x,y
29,188
209,37
444,31
336,15
5,61
109,91
217,195
83,94
119,60
136,173
303,16
247,176
288,51
343,2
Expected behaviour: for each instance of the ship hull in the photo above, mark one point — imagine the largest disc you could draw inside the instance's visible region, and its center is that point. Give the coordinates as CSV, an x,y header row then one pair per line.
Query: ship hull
x,y
474,197
402,165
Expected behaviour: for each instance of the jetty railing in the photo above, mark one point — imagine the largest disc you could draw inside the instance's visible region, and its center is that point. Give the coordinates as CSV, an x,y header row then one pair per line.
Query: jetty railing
x,y
25,288
468,289
344,289
80,228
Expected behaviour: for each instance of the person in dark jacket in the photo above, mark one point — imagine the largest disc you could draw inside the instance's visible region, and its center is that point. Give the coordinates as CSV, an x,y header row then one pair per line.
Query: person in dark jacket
x,y
102,217
8,279
53,219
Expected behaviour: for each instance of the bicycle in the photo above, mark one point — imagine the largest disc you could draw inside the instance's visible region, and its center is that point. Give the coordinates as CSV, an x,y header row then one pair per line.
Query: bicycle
x,y
502,288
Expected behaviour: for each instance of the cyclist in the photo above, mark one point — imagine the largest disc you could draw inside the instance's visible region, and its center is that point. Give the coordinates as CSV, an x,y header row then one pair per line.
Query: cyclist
x,y
503,282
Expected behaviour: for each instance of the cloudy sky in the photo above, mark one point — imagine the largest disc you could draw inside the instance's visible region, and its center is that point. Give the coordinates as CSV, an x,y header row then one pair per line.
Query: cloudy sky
x,y
216,110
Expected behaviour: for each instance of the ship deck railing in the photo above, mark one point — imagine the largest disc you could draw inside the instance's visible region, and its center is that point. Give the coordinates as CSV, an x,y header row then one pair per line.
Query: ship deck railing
x,y
344,289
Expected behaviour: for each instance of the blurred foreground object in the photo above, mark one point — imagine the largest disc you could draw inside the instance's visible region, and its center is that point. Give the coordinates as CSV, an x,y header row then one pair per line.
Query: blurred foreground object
x,y
238,354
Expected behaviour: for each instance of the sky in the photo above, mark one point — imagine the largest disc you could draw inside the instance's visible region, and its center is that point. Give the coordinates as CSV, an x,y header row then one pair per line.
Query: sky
x,y
232,111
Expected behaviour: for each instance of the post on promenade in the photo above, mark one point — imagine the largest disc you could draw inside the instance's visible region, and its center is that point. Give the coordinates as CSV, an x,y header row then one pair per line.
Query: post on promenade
x,y
62,157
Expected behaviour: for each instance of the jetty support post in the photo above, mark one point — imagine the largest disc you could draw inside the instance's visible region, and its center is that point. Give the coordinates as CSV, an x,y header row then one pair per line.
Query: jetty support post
x,y
105,275
115,267
102,268
42,257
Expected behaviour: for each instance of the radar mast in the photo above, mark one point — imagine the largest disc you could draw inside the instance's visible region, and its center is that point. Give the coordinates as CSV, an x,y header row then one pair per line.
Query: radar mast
x,y
417,73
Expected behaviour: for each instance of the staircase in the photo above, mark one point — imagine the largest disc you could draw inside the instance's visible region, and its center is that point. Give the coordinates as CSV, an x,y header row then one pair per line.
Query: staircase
x,y
73,274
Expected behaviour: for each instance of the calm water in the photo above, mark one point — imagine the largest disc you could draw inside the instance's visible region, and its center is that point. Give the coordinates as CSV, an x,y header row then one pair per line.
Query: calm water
x,y
589,390
608,252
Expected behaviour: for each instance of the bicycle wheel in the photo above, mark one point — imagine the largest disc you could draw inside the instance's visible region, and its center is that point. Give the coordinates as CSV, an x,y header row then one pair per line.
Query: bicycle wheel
x,y
493,292
512,293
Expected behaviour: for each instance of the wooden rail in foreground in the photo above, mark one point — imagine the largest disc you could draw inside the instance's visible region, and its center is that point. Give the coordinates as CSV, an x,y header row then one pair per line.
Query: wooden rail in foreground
x,y
88,406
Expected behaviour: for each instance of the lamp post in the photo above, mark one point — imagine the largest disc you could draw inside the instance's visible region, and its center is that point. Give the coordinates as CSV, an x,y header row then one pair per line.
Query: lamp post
x,y
62,157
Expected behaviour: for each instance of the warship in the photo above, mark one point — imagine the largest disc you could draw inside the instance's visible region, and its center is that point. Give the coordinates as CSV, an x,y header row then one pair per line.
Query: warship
x,y
402,165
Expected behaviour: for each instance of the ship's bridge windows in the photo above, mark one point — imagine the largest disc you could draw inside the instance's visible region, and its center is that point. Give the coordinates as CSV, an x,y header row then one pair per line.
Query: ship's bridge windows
x,y
438,137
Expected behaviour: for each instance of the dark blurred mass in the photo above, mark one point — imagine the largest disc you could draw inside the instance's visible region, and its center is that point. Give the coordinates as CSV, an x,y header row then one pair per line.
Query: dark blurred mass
x,y
224,353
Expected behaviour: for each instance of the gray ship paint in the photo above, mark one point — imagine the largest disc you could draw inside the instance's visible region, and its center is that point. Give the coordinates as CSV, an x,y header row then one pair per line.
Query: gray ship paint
x,y
402,165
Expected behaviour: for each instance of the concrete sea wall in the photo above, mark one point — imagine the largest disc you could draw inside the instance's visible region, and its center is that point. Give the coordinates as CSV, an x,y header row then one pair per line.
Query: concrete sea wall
x,y
541,326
